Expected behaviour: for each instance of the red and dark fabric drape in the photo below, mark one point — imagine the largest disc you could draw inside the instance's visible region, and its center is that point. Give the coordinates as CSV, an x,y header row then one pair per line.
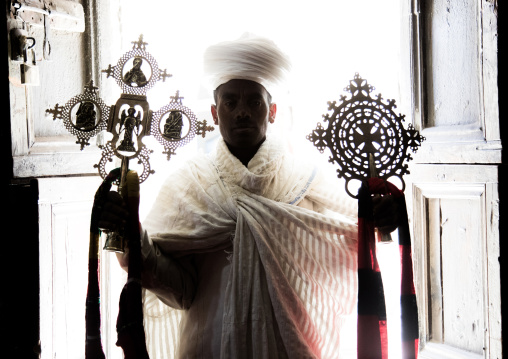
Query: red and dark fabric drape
x,y
131,335
129,325
372,325
93,342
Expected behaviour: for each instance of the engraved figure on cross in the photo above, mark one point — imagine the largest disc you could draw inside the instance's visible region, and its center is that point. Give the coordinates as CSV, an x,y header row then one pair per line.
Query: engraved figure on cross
x,y
129,124
135,76
86,116
173,125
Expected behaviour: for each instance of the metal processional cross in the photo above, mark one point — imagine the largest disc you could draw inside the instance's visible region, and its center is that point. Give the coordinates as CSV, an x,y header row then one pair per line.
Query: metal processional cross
x,y
365,136
366,140
131,118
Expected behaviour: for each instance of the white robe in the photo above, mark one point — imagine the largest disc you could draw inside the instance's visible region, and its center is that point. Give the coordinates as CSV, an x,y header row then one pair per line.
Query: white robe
x,y
260,265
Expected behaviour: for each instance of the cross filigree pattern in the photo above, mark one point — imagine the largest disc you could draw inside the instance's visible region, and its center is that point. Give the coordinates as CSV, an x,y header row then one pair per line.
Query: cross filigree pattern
x,y
365,133
130,119
84,115
175,125
136,71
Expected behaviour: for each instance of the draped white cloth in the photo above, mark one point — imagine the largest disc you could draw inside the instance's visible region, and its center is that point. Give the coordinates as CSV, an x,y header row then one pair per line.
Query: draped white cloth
x,y
292,276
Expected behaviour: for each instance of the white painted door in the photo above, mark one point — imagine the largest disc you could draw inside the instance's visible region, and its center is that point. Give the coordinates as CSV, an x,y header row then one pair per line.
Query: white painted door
x,y
451,86
42,148
64,225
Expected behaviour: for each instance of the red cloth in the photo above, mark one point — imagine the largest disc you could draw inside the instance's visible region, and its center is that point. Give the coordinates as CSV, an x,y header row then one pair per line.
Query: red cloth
x,y
129,324
372,329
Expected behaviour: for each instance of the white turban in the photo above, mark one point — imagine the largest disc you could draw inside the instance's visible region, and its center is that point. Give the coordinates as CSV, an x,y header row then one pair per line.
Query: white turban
x,y
250,57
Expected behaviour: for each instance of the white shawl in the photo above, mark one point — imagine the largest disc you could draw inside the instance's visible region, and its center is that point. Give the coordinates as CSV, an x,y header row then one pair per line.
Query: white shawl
x,y
302,260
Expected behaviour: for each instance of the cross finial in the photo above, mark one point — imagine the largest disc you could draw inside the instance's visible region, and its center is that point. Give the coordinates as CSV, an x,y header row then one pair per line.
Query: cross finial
x,y
164,74
203,128
91,88
140,44
170,152
56,112
177,97
109,71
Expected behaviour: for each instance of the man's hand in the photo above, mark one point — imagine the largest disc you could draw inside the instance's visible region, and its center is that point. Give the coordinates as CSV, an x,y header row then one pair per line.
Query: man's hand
x,y
386,213
114,213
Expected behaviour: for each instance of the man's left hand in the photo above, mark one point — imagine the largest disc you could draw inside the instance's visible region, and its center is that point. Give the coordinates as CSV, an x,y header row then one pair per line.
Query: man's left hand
x,y
385,210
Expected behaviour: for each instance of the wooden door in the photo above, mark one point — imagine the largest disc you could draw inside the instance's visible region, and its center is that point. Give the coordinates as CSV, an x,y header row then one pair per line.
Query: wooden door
x,y
65,52
451,88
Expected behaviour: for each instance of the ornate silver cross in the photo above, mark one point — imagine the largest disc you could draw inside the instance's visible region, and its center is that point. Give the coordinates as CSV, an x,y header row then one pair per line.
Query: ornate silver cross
x,y
365,136
130,119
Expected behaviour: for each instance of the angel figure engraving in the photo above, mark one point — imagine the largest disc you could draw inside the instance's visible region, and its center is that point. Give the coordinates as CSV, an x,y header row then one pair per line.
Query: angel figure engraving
x,y
129,124
135,76
86,116
173,126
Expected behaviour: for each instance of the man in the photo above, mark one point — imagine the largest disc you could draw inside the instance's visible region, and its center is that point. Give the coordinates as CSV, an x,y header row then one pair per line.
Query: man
x,y
257,251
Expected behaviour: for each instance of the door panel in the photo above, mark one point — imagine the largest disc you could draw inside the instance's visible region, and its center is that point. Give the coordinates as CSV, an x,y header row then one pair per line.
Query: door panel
x,y
449,79
456,249
450,83
451,37
64,215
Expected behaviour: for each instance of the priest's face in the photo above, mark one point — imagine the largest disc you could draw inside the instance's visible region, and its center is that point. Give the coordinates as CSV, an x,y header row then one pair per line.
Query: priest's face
x,y
243,109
